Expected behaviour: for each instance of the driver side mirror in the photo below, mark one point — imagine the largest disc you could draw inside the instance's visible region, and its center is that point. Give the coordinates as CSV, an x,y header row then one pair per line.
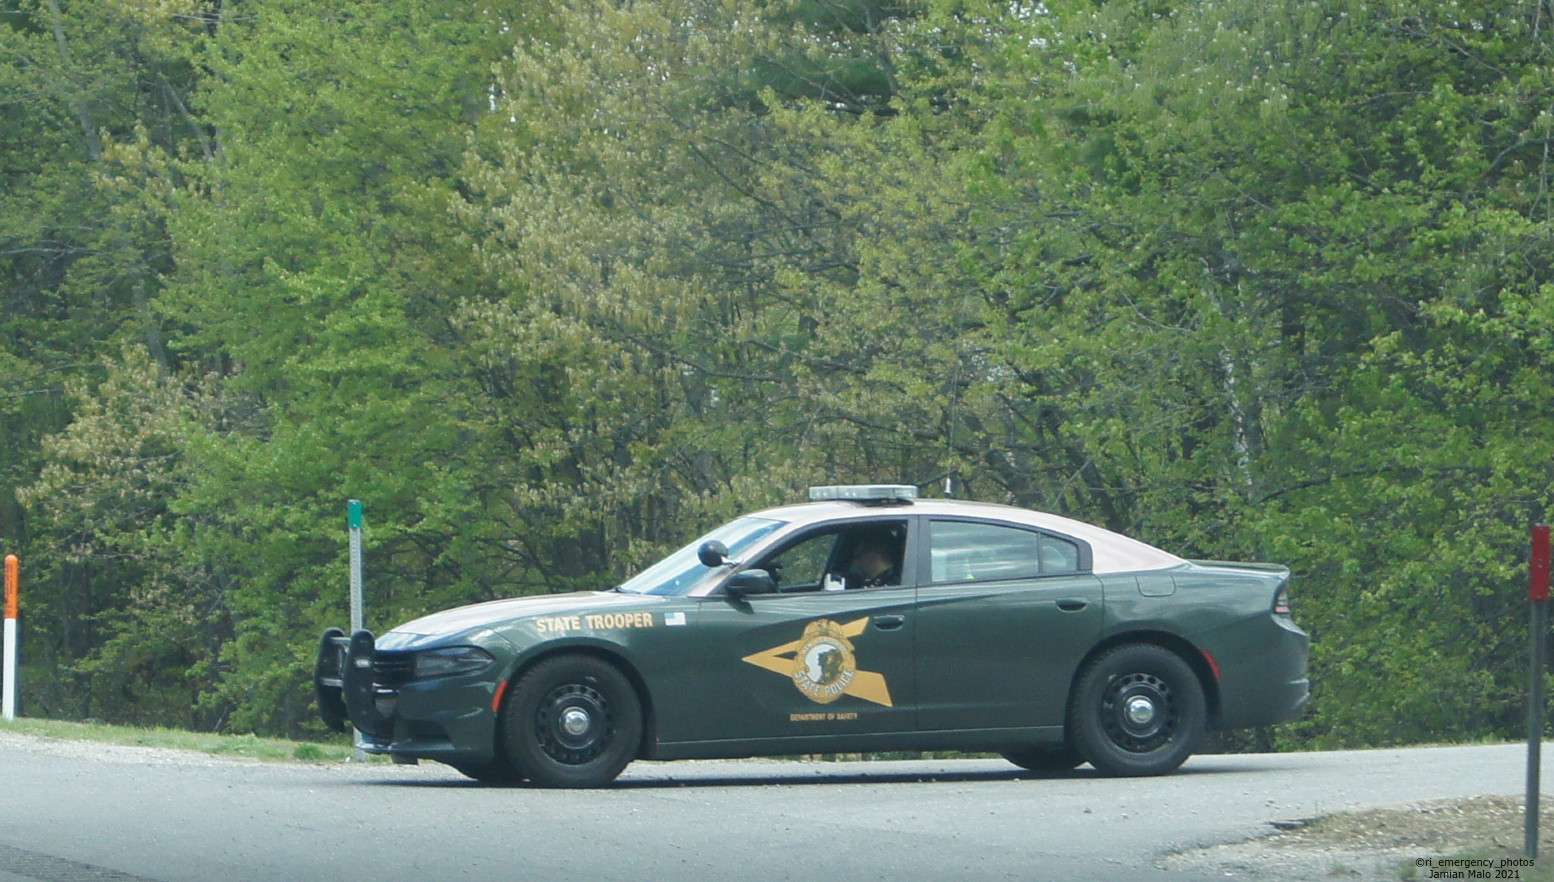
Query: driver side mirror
x,y
750,582
712,553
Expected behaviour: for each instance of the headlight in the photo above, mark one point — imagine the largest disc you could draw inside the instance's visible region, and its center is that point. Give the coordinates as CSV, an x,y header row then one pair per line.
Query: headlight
x,y
451,661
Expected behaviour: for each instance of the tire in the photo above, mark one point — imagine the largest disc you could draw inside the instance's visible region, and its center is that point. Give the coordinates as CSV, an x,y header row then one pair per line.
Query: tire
x,y
572,721
497,772
1045,759
1137,710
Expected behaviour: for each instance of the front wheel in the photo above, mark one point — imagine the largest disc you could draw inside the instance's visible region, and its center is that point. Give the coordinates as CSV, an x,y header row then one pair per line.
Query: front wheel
x,y
572,721
1137,710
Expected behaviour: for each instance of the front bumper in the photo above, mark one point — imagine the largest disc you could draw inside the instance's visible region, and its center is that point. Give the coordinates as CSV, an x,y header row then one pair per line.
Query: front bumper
x,y
449,718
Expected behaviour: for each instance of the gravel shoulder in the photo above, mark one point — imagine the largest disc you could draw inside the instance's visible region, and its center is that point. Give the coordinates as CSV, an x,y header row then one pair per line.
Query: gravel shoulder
x,y
1420,840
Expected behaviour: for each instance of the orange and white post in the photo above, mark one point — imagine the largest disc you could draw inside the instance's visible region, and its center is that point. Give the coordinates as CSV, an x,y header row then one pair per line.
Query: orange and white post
x,y
12,607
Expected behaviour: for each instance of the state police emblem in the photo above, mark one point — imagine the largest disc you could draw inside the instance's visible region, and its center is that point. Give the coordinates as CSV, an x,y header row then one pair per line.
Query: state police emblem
x,y
822,665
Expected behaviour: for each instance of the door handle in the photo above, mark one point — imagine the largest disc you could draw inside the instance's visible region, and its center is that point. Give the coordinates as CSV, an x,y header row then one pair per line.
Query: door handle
x,y
889,623
1072,604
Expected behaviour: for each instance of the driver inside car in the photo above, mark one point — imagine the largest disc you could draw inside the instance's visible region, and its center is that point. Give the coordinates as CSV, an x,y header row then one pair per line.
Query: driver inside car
x,y
876,561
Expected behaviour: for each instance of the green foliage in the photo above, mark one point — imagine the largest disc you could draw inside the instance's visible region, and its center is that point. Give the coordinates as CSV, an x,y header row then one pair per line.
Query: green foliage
x,y
1294,228
315,281
92,100
553,286
136,622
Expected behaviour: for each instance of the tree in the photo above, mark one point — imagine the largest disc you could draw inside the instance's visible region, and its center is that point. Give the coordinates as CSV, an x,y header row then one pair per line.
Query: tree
x,y
139,636
316,278
1259,304
93,99
723,285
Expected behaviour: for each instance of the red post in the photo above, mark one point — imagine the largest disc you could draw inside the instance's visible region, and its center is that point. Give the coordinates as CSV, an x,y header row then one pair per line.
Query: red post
x,y
13,582
13,592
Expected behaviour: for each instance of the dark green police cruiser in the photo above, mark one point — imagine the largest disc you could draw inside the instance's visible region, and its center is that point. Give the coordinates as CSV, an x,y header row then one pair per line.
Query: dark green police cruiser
x,y
866,620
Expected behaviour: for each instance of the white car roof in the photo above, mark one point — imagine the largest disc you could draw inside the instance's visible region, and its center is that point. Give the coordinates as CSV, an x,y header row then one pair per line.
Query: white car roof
x,y
1110,552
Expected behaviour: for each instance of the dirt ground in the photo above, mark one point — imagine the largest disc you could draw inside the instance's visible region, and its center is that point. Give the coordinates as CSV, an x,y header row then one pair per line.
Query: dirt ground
x,y
1416,841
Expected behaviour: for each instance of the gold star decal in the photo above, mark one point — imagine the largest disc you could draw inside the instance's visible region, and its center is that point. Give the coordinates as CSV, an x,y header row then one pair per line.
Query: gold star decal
x,y
821,664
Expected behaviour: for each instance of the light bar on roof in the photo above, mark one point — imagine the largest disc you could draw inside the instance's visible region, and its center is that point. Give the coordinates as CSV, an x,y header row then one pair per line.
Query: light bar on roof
x,y
862,492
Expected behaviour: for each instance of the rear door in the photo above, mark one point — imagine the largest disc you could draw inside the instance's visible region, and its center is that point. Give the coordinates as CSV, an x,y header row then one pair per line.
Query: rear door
x,y
1005,613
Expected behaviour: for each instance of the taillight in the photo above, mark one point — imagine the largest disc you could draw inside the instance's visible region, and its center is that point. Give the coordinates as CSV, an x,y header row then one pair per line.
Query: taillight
x,y
1281,601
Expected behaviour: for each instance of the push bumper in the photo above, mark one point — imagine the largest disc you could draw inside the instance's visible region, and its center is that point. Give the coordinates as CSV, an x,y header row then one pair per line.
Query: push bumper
x,y
358,686
348,694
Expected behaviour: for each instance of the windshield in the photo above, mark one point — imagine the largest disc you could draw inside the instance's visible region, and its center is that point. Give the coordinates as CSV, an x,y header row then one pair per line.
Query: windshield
x,y
681,572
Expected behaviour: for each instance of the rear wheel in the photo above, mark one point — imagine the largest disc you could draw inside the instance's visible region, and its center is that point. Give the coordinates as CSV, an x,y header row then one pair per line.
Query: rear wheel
x,y
1137,710
1045,759
572,721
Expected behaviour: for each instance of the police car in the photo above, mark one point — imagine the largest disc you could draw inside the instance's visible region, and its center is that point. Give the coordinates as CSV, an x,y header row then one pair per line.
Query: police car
x,y
865,620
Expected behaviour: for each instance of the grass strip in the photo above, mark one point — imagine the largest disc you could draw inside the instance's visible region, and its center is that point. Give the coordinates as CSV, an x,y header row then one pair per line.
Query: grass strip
x,y
249,746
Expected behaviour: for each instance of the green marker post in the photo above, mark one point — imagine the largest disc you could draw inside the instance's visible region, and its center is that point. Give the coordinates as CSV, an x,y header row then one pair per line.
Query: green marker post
x,y
358,618
354,520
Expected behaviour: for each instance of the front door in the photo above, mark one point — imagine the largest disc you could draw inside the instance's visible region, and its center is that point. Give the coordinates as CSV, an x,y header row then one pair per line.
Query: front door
x,y
831,653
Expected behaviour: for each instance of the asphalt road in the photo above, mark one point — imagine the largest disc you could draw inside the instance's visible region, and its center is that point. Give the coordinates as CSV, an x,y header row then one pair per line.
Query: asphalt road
x,y
71,812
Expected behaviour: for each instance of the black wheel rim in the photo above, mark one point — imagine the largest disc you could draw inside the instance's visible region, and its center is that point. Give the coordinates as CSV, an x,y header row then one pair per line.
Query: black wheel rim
x,y
573,725
1139,713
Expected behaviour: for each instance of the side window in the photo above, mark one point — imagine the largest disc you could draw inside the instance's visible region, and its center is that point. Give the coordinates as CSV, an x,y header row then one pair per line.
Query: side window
x,y
801,567
1058,555
858,555
967,552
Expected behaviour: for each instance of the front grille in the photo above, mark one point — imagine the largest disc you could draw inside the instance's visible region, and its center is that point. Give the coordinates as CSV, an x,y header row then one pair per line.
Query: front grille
x,y
393,668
